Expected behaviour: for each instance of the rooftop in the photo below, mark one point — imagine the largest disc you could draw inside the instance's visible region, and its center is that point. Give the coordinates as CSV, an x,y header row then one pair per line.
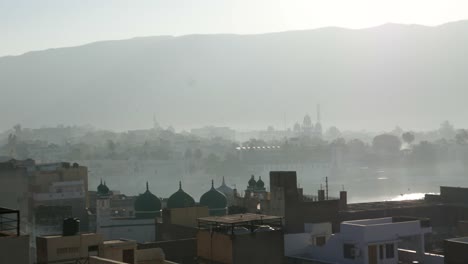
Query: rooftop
x,y
387,204
238,218
463,240
240,223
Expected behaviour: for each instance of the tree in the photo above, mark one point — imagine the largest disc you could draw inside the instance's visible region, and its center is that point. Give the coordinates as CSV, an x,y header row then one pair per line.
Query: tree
x,y
333,133
424,153
446,130
461,137
111,146
198,154
408,137
386,144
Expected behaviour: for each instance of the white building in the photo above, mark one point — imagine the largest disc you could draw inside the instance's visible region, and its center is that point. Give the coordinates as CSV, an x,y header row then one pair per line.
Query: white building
x,y
369,241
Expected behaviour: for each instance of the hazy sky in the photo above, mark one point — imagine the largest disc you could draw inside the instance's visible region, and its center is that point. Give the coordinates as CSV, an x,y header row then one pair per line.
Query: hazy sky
x,y
41,24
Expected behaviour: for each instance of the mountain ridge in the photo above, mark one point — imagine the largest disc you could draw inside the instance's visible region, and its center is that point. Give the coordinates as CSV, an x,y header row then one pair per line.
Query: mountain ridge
x,y
245,80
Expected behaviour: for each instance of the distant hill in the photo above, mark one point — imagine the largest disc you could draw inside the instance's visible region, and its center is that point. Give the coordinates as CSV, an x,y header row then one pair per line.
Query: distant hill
x,y
373,78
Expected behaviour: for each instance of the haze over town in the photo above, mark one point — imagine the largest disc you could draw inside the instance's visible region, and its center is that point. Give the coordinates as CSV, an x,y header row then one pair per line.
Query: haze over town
x,y
233,132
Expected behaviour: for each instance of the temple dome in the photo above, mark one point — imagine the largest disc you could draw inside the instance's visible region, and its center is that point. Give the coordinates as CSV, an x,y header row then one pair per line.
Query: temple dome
x,y
215,200
226,190
180,199
260,186
252,183
147,205
102,189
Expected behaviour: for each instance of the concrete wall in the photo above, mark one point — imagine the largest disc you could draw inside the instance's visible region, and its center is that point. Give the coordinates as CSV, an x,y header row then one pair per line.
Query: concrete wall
x,y
215,246
165,231
184,216
150,256
296,244
53,248
259,247
114,249
455,252
98,260
180,251
141,230
14,250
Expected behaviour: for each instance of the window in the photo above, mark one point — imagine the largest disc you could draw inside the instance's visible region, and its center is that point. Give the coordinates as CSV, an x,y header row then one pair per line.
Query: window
x,y
93,250
381,251
320,241
348,251
389,251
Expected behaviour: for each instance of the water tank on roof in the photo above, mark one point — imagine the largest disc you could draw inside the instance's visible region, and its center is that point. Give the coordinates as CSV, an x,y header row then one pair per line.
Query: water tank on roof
x,y
71,226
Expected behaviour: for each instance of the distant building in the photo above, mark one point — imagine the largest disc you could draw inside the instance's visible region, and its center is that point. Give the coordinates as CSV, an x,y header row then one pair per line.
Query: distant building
x,y
227,191
211,132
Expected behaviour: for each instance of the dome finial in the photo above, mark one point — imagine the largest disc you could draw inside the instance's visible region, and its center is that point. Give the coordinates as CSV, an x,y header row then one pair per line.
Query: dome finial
x,y
212,183
147,187
223,181
101,180
180,185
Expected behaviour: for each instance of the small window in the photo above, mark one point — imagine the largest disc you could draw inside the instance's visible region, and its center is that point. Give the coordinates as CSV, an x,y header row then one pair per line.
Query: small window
x,y
320,241
381,251
348,251
389,251
93,250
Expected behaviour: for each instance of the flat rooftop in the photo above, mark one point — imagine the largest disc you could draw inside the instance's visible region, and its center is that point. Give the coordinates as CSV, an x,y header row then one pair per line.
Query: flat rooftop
x,y
117,242
463,240
387,204
238,218
4,210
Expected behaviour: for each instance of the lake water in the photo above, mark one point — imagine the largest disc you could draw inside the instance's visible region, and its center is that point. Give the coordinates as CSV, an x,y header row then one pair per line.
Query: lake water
x,y
362,184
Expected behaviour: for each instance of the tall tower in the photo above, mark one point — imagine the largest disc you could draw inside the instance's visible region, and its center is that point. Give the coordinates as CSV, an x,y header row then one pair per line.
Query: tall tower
x,y
318,126
103,209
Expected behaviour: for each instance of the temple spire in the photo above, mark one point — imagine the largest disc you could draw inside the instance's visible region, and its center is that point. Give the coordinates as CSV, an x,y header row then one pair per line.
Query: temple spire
x,y
223,181
147,186
212,183
180,185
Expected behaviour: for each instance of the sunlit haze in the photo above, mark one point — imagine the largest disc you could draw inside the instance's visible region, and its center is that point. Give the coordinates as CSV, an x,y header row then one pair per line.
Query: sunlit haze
x,y
36,25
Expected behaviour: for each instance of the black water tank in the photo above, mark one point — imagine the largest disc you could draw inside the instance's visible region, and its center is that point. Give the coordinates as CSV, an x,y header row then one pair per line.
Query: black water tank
x,y
71,226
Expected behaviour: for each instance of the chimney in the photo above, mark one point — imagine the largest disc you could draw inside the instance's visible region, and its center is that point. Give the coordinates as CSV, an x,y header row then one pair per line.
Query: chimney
x,y
343,200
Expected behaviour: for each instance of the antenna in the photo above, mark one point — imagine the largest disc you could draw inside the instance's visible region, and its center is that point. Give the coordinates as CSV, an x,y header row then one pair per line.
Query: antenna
x,y
326,187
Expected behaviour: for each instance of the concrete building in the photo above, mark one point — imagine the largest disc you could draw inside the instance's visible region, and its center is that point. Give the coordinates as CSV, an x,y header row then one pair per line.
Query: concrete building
x,y
14,247
368,241
455,250
34,185
141,227
211,132
240,239
91,248
285,199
